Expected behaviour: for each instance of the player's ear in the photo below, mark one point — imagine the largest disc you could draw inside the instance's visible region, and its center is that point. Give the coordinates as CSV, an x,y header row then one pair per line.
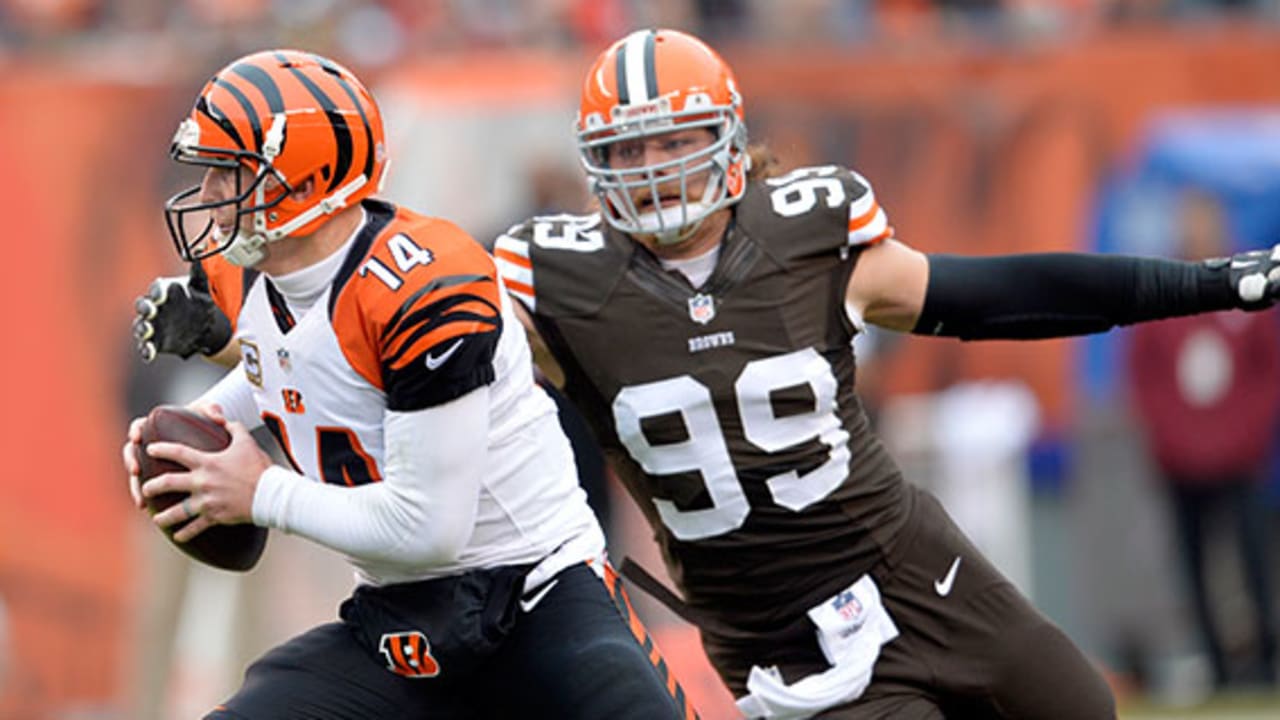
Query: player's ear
x,y
303,192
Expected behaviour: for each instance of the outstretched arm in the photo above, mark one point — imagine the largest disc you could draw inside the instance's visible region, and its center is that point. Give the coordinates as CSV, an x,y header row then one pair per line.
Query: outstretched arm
x,y
1051,294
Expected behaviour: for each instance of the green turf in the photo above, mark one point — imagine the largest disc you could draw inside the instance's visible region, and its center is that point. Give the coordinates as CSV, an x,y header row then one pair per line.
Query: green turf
x,y
1241,706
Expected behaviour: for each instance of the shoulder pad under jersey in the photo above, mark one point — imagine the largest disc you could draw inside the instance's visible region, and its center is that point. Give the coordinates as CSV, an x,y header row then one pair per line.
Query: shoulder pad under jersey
x,y
562,265
813,211
417,310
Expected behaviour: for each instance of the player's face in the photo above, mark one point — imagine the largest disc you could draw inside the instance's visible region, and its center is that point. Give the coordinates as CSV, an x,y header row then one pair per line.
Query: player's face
x,y
219,185
222,185
653,150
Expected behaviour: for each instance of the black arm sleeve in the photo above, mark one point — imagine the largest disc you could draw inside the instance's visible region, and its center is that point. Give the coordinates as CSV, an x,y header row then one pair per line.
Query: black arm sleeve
x,y
1022,297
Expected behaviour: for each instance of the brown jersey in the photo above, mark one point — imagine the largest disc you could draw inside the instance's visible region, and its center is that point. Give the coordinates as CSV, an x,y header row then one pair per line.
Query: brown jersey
x,y
729,409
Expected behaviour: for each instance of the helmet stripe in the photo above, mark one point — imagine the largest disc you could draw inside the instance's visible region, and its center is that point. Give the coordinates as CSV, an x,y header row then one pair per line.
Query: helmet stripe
x,y
247,107
220,118
341,133
650,71
620,76
355,100
637,80
265,84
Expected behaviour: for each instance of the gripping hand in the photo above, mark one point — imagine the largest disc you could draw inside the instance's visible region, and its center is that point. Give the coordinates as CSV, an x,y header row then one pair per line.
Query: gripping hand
x,y
1254,277
178,316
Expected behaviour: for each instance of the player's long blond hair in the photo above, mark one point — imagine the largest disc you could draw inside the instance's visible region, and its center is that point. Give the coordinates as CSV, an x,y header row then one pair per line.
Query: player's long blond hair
x,y
764,164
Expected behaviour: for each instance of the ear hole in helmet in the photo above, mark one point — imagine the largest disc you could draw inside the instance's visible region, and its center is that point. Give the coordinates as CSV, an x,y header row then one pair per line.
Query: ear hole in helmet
x,y
274,192
303,189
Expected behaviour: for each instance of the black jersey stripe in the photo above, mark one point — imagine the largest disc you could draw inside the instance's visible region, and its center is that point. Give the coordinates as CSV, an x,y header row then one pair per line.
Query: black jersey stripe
x,y
279,308
378,214
338,121
247,276
243,101
436,315
408,316
442,282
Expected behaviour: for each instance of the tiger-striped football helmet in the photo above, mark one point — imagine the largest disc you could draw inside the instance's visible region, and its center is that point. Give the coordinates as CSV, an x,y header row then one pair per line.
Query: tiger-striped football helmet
x,y
278,118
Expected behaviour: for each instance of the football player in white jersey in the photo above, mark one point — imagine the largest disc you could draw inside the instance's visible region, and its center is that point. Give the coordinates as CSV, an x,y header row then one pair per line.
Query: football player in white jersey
x,y
703,319
379,348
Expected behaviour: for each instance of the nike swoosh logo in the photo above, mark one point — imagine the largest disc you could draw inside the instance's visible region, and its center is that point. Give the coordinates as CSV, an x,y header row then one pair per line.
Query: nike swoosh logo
x,y
1237,264
435,361
943,586
532,602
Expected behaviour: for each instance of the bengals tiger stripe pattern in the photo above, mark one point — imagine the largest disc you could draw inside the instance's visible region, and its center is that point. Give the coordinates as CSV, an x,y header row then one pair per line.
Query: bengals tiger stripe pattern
x,y
432,339
288,118
613,583
236,107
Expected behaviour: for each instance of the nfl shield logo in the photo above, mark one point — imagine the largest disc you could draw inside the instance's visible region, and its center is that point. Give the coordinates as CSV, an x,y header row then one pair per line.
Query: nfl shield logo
x,y
702,308
285,363
846,605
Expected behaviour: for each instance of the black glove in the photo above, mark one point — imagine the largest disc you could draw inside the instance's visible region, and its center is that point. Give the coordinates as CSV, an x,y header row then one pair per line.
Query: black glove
x,y
1254,277
178,316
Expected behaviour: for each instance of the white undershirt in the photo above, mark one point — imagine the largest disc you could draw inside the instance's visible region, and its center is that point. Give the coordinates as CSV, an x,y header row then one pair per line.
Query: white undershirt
x,y
696,269
303,287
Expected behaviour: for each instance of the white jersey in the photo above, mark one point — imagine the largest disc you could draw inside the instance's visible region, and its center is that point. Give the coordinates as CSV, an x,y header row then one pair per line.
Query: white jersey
x,y
415,317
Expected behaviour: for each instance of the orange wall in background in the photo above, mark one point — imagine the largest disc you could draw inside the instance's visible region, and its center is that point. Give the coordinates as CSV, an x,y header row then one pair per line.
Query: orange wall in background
x,y
76,187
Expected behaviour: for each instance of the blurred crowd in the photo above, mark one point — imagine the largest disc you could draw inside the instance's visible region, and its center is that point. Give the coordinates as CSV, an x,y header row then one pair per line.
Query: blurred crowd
x,y
370,33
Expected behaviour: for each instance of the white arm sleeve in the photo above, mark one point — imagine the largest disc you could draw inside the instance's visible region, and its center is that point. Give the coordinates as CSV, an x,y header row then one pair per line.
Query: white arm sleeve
x,y
423,511
233,394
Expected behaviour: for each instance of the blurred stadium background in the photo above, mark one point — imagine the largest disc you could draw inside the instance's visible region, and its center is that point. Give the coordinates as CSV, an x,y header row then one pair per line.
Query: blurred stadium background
x,y
986,126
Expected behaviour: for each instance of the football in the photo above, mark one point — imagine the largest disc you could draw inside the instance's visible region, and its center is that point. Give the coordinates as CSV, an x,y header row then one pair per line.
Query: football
x,y
229,547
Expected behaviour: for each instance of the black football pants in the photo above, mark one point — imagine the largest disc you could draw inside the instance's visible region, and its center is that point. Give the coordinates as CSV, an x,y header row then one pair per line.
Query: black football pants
x,y
970,647
575,654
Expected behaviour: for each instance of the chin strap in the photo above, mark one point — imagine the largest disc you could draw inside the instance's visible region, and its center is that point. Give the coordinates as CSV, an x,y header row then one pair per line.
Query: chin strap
x,y
246,250
680,234
704,207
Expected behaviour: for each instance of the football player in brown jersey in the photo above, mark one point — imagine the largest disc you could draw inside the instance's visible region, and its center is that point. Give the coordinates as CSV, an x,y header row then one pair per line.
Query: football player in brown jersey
x,y
378,347
703,320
